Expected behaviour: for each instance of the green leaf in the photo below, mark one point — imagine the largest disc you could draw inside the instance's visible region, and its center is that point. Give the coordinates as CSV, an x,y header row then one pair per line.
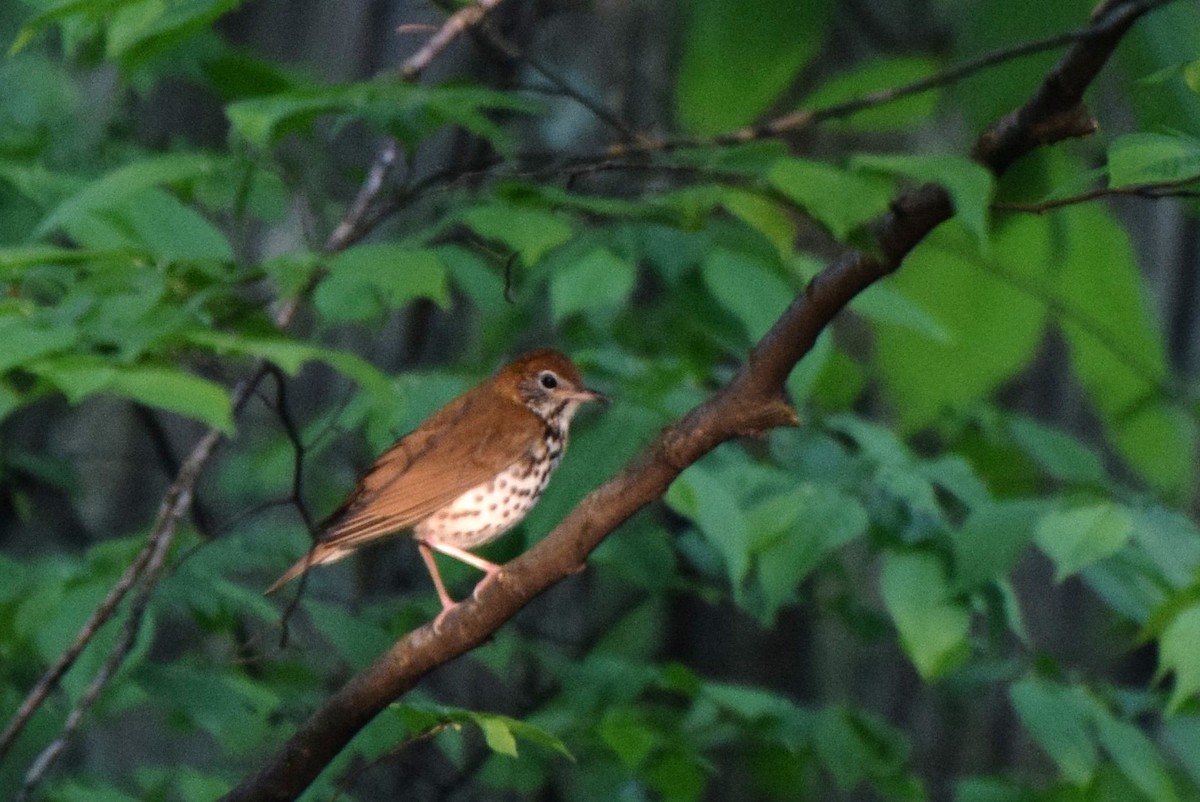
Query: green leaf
x,y
355,638
794,532
142,30
736,61
1057,719
1078,537
116,187
1146,158
597,283
499,736
839,199
706,499
25,341
1118,353
500,732
995,325
992,540
1135,754
1057,453
532,233
933,626
290,355
874,75
1182,733
174,232
366,281
629,737
747,287
970,184
406,110
1179,651
766,216
167,388
882,302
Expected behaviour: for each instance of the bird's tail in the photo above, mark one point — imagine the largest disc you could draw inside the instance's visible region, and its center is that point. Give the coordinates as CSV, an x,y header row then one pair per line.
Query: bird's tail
x,y
319,554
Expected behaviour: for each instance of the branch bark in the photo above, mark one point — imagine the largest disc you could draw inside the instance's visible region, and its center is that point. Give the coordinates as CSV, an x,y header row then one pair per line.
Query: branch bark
x,y
752,402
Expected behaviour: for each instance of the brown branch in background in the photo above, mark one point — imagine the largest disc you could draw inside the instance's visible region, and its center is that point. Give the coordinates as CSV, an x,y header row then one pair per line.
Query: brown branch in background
x,y
451,29
799,121
1152,191
751,403
146,569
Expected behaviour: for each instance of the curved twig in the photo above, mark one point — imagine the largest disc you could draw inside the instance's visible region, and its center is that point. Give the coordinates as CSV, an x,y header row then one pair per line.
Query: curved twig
x,y
753,402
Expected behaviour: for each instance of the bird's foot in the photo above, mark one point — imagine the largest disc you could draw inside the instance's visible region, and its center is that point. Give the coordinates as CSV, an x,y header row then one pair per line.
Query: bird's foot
x,y
490,575
437,622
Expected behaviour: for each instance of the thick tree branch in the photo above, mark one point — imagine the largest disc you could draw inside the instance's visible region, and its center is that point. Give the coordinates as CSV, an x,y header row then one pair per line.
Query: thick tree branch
x,y
752,402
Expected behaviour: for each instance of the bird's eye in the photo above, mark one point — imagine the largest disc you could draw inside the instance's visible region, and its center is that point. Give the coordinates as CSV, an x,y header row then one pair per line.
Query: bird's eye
x,y
548,380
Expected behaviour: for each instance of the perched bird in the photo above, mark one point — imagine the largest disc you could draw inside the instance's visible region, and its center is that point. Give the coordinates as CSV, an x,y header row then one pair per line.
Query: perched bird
x,y
466,475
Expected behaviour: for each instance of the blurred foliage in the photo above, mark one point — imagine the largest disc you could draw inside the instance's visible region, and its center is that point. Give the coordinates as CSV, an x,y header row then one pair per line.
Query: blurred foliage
x,y
902,516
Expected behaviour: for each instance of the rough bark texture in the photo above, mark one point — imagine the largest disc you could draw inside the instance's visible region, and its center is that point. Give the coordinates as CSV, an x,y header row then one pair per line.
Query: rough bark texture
x,y
752,403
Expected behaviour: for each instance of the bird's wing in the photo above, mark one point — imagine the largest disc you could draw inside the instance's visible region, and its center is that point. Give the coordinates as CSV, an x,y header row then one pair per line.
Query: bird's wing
x,y
455,450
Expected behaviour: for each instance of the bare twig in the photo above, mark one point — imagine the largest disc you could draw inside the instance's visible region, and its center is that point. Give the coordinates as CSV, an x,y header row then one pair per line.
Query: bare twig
x,y
752,402
1152,191
146,568
451,29
804,119
513,53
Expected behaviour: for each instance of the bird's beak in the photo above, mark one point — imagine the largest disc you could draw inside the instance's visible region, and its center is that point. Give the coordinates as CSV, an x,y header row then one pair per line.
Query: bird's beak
x,y
588,394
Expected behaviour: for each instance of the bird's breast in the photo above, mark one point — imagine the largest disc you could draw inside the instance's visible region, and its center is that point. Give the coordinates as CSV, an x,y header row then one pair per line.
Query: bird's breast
x,y
488,510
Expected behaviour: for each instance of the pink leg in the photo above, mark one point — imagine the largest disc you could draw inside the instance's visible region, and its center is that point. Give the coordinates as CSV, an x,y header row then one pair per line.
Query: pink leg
x,y
431,564
490,569
473,560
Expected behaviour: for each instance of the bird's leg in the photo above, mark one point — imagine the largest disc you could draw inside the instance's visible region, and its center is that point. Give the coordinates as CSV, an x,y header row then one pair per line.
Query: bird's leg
x,y
447,602
490,569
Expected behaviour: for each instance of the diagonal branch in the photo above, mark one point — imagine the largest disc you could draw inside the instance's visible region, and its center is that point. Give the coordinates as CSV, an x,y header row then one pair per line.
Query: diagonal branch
x,y
751,403
458,22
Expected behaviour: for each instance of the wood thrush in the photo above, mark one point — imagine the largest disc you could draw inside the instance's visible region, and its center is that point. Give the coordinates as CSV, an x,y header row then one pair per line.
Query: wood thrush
x,y
466,475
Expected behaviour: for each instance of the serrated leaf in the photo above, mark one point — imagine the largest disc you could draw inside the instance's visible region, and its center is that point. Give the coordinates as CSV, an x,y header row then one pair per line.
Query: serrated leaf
x,y
933,626
408,111
1078,537
1057,719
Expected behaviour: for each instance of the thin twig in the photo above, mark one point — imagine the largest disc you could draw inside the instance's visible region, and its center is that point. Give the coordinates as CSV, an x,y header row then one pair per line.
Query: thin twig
x,y
752,402
509,50
146,568
1152,191
454,26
